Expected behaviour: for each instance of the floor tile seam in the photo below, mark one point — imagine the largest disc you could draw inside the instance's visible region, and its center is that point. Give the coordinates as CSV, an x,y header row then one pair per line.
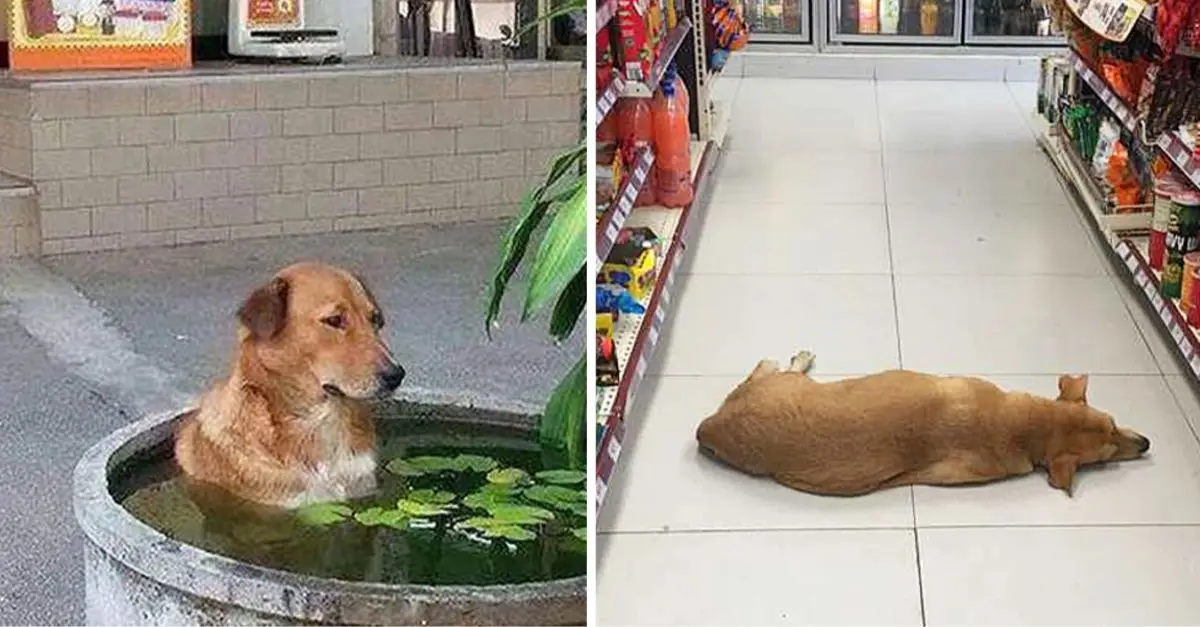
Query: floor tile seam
x,y
963,275
821,374
1072,526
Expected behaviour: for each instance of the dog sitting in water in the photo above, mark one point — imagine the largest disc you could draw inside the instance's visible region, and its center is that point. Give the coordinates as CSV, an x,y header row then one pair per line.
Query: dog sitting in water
x,y
903,428
289,426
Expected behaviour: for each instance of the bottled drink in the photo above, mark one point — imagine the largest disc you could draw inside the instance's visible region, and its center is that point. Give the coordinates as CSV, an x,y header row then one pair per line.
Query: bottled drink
x,y
635,130
672,148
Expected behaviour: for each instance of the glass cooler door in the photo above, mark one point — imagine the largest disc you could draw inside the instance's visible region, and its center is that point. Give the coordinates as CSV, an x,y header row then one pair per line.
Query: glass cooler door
x,y
1018,22
903,22
778,20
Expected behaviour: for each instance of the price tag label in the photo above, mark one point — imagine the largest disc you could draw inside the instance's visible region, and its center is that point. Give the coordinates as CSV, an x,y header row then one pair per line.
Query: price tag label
x,y
1131,262
1177,335
1195,363
1165,315
641,367
653,336
614,448
1156,299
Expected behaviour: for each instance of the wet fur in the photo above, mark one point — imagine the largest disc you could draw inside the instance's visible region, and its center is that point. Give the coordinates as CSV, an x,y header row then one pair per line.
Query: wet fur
x,y
272,433
900,427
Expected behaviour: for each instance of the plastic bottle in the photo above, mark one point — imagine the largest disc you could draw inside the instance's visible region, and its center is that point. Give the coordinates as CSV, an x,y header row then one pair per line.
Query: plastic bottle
x,y
672,148
889,17
635,130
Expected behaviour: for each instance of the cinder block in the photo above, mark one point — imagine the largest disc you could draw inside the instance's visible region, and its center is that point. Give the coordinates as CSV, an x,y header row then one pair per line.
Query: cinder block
x,y
49,194
256,180
307,177
329,148
358,174
383,145
480,193
174,157
499,112
170,98
333,91
66,223
563,133
437,85
501,165
255,124
62,164
457,113
89,192
118,219
307,121
358,119
432,142
227,211
383,200
521,82
281,207
554,109
383,89
201,184
146,239
116,99
568,78
199,127
89,244
539,160
481,84
16,132
123,160
282,93
227,154
56,103
306,227
16,161
479,139
453,216
524,135
89,132
251,231
407,171
380,221
202,235
332,204
456,168
227,96
146,130
46,135
431,196
143,188
408,116
281,150
173,215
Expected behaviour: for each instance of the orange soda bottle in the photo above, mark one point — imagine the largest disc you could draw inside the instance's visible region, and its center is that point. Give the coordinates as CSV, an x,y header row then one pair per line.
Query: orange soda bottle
x,y
672,148
635,130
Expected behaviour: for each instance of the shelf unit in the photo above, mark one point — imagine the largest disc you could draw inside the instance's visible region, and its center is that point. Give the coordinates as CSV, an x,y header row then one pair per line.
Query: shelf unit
x,y
637,336
1125,236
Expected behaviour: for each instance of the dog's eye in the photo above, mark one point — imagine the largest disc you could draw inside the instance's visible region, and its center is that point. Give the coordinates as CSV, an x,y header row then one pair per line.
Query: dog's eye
x,y
377,320
336,321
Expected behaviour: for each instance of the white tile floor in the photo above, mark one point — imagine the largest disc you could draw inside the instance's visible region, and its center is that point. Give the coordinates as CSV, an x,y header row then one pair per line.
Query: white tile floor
x,y
900,224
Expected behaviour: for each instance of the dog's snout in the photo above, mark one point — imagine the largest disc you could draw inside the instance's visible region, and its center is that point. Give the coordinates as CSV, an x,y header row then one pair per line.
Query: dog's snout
x,y
392,376
1143,443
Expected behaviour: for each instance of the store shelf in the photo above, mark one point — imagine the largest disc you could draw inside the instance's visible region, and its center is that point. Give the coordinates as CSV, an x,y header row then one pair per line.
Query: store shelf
x,y
1181,156
636,336
675,38
613,219
607,100
1074,170
1100,86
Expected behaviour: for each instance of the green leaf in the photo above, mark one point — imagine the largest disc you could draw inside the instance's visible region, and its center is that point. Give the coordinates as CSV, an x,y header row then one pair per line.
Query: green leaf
x,y
555,496
534,206
370,516
507,476
520,514
490,494
418,466
562,253
403,468
431,497
579,509
580,532
475,463
418,509
561,427
376,516
324,514
568,7
494,528
569,306
562,477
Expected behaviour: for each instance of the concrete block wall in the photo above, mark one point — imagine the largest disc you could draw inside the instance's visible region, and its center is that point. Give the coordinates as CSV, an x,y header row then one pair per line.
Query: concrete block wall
x,y
148,162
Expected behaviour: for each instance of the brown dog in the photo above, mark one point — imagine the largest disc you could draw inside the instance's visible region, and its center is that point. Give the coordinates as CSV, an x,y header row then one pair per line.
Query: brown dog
x,y
903,428
289,426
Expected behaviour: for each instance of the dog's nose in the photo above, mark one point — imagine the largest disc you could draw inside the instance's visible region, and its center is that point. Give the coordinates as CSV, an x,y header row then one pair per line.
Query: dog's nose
x,y
392,376
1143,444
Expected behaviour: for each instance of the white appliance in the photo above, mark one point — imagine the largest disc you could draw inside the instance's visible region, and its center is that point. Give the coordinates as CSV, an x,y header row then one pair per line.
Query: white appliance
x,y
281,29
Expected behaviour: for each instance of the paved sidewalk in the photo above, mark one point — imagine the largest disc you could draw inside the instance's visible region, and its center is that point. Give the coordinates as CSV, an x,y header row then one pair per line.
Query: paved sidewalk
x,y
172,309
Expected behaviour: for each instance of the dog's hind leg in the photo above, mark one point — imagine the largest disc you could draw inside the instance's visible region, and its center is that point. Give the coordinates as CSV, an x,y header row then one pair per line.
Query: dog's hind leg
x,y
802,362
764,368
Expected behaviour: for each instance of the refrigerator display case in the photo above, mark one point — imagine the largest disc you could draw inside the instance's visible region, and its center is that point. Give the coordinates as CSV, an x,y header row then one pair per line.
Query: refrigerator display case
x,y
1013,22
778,20
904,22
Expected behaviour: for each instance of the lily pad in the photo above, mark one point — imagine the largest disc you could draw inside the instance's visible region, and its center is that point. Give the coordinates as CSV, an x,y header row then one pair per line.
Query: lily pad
x,y
562,477
475,463
520,514
324,514
403,468
494,528
431,497
376,516
580,532
556,496
507,476
418,509
490,494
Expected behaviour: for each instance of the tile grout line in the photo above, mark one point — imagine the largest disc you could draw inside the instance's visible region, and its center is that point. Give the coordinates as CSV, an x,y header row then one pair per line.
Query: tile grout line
x,y
887,219
950,527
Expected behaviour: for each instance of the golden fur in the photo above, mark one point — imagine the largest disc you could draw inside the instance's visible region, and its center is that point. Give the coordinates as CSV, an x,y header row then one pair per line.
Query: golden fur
x,y
289,426
902,428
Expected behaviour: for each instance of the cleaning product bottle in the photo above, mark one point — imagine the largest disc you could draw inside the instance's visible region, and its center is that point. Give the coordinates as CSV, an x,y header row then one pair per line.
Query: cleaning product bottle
x,y
635,130
672,148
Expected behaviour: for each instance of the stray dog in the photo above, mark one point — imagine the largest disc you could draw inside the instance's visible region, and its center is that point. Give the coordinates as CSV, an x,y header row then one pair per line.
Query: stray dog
x,y
289,426
903,428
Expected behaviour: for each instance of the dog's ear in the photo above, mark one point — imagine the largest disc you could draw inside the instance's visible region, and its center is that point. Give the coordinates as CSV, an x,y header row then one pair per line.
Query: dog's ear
x,y
265,311
1073,389
1062,472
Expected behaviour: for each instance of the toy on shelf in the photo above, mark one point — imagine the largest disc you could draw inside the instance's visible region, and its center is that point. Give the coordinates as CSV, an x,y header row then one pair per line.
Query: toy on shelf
x,y
608,371
633,262
615,299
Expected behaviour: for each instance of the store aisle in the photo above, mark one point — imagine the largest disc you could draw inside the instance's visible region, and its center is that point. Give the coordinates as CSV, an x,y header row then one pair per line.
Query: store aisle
x,y
917,225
